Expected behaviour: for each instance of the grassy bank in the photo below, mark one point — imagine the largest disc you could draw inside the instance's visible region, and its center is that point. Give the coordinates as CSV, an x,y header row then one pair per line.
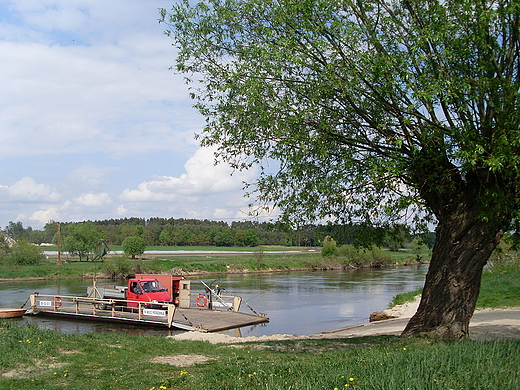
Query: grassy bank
x,y
259,259
500,287
36,359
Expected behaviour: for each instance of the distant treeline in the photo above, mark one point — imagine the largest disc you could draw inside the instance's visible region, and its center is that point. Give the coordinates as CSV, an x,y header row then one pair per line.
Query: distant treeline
x,y
195,232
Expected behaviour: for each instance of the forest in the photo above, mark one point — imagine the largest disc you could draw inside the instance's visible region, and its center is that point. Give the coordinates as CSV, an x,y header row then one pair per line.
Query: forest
x,y
194,232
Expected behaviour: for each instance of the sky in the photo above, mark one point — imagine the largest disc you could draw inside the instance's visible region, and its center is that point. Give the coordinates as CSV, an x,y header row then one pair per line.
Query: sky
x,y
93,123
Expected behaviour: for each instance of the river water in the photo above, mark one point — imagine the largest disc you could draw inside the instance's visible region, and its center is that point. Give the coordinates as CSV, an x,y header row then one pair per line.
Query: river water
x,y
295,302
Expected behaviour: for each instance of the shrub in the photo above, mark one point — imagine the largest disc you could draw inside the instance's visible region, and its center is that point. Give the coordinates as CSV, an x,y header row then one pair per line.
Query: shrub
x,y
329,247
375,256
118,266
25,253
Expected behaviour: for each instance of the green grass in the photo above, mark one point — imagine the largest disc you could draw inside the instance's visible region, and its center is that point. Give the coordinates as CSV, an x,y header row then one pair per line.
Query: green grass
x,y
500,287
38,359
403,298
258,260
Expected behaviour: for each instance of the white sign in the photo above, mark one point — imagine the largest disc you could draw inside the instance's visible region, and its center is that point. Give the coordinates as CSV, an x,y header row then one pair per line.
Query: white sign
x,y
156,313
45,303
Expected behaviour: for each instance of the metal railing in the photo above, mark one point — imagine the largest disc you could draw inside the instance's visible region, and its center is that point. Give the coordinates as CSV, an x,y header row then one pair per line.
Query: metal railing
x,y
101,307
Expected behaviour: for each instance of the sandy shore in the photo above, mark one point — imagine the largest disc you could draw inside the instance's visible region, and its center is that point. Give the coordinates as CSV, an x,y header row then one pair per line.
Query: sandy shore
x,y
489,324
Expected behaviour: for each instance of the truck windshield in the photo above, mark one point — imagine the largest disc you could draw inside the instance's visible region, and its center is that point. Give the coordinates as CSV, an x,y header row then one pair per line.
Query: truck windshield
x,y
153,286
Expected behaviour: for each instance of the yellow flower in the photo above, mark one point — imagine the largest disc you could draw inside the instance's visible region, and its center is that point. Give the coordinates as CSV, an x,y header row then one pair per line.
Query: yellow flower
x,y
351,379
336,388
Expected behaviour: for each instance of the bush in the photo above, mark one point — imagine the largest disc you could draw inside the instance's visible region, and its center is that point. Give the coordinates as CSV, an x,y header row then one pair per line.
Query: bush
x,y
374,256
329,247
118,266
25,253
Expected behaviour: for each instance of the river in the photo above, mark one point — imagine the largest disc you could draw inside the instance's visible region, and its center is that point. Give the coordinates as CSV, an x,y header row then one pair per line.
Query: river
x,y
296,302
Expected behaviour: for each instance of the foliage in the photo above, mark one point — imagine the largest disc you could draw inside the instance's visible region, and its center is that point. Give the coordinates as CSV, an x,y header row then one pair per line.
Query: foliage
x,y
330,247
117,267
134,245
82,239
25,253
353,256
4,246
360,97
418,247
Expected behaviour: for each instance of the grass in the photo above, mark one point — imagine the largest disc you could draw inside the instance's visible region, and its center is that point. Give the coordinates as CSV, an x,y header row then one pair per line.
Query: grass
x,y
39,359
500,287
259,260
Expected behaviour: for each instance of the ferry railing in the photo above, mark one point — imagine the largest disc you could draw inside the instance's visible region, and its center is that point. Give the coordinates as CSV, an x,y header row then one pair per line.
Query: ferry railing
x,y
99,306
215,300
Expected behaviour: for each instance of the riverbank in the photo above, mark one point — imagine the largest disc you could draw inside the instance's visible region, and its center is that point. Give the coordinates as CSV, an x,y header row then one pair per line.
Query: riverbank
x,y
485,325
197,263
35,359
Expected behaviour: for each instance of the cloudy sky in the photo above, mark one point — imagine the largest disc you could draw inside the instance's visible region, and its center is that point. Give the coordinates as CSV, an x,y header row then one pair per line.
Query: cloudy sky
x,y
94,125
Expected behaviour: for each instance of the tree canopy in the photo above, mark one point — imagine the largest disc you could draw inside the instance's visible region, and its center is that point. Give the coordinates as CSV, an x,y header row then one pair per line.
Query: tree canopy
x,y
376,111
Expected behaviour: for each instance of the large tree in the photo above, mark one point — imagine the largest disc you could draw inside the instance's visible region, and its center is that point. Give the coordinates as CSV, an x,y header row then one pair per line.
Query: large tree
x,y
374,110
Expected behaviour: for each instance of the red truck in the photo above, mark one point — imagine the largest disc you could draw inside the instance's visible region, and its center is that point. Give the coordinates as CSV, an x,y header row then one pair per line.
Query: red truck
x,y
148,290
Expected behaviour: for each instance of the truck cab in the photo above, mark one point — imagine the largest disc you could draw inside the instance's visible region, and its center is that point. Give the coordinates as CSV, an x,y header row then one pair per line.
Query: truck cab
x,y
147,290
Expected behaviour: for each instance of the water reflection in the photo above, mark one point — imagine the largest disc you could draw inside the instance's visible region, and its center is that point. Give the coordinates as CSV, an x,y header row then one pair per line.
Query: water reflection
x,y
295,302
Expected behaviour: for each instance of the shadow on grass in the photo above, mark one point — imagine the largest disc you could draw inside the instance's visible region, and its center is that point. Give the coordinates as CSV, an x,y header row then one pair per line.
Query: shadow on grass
x,y
317,346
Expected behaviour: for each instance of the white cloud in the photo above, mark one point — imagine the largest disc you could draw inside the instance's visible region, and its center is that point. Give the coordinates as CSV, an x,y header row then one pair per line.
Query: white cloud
x,y
27,190
93,200
44,216
202,178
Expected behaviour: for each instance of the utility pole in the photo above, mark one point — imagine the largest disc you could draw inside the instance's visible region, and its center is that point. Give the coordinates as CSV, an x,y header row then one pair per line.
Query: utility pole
x,y
59,244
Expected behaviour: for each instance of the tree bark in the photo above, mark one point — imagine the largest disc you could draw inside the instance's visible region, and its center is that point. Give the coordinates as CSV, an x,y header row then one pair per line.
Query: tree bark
x,y
463,246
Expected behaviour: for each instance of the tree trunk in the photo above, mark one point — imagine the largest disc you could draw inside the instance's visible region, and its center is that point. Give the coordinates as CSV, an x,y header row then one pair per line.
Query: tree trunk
x,y
463,246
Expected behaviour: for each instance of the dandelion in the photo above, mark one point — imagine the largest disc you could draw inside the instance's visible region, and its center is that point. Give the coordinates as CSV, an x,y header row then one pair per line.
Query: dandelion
x,y
404,349
162,387
28,341
183,372
336,388
351,379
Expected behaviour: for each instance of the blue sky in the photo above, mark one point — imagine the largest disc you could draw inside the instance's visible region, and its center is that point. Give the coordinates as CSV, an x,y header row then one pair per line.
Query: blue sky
x,y
94,125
